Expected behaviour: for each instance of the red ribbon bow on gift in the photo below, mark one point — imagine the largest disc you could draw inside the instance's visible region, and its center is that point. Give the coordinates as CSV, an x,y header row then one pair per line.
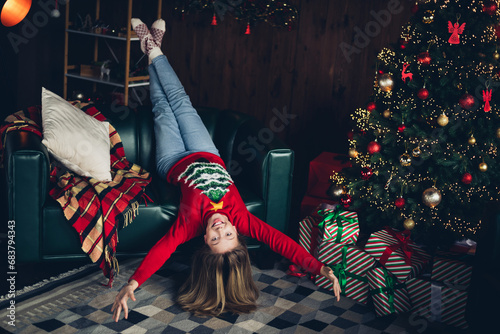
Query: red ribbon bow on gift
x,y
403,239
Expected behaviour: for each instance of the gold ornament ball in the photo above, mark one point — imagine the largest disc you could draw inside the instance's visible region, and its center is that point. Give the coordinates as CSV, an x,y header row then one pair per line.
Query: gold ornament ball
x,y
336,191
352,153
496,55
431,197
498,133
483,167
428,17
409,224
416,152
405,160
387,113
472,140
443,120
385,82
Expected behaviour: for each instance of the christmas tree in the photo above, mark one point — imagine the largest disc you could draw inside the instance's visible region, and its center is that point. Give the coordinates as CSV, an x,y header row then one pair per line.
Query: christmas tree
x,y
424,147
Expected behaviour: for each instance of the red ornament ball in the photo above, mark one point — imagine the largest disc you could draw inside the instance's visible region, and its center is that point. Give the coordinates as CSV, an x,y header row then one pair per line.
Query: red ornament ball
x,y
490,7
346,200
373,147
466,178
400,202
366,173
423,93
350,135
380,71
424,58
467,101
371,106
401,127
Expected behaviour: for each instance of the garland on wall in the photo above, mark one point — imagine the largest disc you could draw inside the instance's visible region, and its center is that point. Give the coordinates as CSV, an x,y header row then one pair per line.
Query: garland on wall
x,y
277,13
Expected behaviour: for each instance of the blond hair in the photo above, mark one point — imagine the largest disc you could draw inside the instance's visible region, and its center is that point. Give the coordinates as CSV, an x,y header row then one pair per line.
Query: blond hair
x,y
220,283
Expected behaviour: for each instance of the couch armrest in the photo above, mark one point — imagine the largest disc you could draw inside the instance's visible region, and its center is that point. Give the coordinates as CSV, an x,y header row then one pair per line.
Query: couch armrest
x,y
261,161
27,171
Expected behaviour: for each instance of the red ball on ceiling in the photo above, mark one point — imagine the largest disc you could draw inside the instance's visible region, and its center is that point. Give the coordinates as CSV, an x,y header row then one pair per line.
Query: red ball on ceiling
x,y
14,11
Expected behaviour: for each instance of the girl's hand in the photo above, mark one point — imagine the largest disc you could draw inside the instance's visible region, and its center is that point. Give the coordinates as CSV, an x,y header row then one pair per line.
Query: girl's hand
x,y
328,273
121,299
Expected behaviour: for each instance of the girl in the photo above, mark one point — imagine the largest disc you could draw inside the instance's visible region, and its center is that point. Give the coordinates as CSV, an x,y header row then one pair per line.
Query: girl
x,y
221,276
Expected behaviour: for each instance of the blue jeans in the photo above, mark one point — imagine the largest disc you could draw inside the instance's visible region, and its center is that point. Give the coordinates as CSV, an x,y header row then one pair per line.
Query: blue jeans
x,y
179,130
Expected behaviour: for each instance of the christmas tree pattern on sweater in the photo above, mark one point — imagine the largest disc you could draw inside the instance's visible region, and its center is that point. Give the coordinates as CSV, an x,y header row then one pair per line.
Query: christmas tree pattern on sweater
x,y
211,178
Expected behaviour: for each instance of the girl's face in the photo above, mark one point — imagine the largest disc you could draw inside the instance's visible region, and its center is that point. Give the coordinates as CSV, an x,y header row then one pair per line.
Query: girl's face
x,y
221,236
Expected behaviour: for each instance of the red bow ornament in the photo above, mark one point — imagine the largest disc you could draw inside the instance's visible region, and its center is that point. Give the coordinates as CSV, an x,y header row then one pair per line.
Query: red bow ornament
x,y
403,239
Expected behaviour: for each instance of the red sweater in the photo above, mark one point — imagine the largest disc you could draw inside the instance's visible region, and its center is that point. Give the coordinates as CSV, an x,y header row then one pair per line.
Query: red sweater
x,y
206,189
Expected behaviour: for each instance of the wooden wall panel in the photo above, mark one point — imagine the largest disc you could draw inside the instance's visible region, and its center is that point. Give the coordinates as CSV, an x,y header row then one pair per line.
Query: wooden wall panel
x,y
303,71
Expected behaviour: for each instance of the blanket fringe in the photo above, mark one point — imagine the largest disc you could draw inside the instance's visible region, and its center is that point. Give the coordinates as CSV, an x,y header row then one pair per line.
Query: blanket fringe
x,y
129,216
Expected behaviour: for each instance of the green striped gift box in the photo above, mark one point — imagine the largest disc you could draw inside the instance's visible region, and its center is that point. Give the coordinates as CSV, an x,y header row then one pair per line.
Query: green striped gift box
x,y
437,302
452,269
350,265
308,235
339,226
397,253
389,296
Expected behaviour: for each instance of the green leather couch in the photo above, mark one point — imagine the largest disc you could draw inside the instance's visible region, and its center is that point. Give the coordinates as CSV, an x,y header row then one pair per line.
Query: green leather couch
x,y
262,172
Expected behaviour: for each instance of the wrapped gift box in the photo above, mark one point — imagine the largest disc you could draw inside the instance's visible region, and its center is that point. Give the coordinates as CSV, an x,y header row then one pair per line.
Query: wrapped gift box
x,y
309,236
320,170
328,223
452,268
350,265
389,296
339,226
397,253
437,302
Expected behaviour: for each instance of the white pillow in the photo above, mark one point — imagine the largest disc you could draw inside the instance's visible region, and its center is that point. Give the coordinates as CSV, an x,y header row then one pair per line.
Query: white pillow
x,y
79,141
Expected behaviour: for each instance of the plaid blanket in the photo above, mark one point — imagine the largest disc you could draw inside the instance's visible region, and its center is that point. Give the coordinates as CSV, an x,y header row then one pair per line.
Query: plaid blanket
x,y
97,210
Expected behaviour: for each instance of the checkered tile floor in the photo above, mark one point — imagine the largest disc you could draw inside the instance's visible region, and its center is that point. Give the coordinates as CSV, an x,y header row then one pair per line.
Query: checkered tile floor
x,y
287,304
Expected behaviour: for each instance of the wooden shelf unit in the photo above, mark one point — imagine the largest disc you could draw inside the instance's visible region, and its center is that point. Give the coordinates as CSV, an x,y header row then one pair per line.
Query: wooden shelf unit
x,y
128,81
